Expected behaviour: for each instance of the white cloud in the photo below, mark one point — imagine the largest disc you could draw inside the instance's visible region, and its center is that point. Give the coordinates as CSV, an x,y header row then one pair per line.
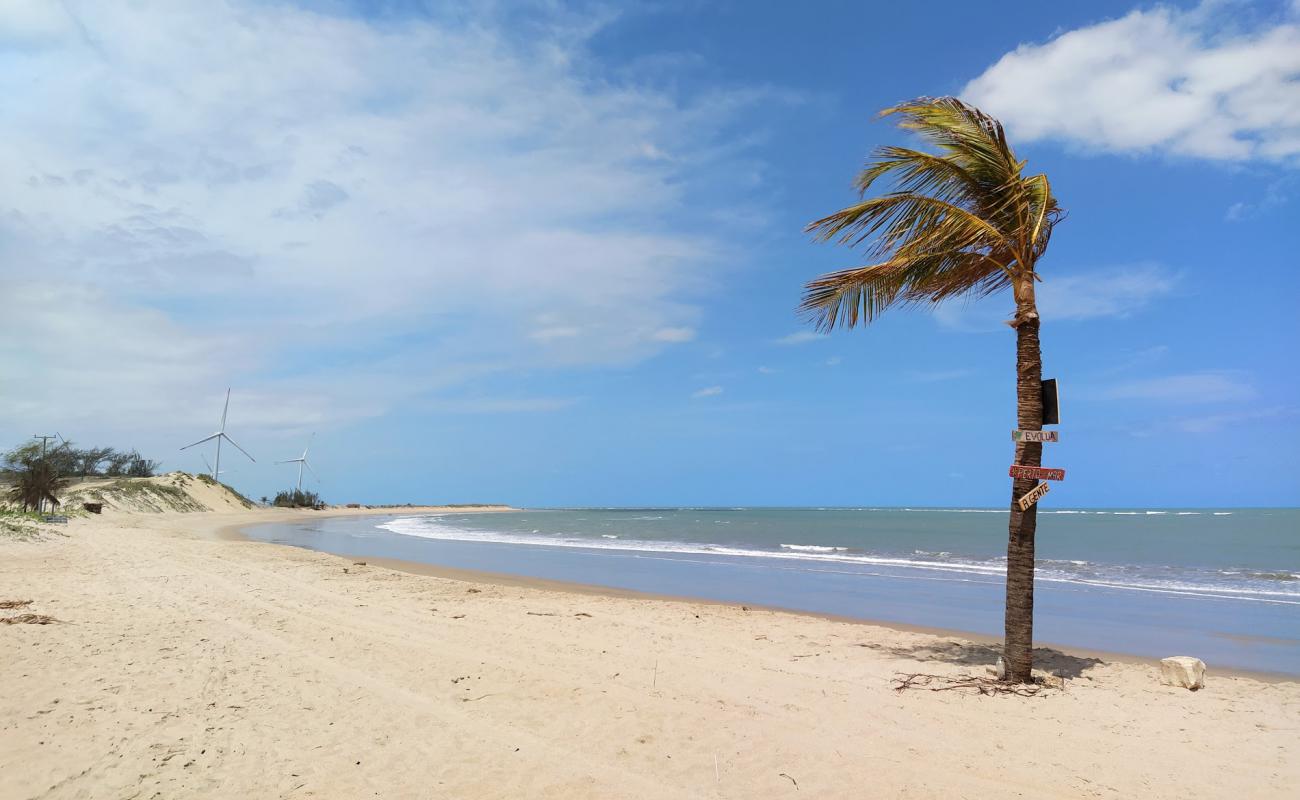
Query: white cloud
x,y
1115,292
1188,82
1195,387
32,21
1213,423
1275,196
1091,294
799,337
674,335
69,339
1128,360
766,371
708,391
503,405
555,332
220,189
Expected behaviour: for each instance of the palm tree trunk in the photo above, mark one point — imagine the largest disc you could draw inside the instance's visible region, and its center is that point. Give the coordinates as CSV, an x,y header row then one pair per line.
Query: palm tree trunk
x,y
1017,650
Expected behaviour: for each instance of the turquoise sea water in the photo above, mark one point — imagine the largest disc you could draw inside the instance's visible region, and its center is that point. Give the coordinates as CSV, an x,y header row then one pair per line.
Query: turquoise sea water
x,y
1223,584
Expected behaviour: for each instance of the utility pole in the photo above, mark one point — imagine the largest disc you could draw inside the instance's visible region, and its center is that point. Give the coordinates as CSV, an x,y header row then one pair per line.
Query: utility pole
x,y
45,440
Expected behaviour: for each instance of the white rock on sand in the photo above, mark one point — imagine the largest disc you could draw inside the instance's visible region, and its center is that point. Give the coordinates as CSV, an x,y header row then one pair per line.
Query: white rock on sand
x,y
1183,671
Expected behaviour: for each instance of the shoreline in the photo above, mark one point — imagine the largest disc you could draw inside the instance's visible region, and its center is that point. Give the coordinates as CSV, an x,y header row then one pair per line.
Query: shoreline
x,y
235,532
181,663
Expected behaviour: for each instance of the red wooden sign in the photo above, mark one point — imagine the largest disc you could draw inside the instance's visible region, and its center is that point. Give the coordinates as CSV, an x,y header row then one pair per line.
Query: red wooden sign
x,y
1037,473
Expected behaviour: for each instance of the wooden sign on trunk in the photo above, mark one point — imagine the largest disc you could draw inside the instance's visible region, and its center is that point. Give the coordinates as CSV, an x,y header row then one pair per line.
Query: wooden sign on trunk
x,y
1034,436
1037,473
1032,496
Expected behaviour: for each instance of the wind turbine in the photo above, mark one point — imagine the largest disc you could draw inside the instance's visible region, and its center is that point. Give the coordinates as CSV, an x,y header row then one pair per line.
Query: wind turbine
x,y
219,435
209,466
301,461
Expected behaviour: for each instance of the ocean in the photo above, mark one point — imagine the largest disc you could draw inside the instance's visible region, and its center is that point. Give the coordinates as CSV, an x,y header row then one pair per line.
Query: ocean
x,y
1220,584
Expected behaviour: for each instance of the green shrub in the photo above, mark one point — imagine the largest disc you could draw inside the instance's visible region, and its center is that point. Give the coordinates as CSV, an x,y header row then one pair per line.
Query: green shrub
x,y
297,498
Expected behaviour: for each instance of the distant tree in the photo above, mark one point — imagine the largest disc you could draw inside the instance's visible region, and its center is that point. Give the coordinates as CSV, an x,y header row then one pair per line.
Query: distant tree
x,y
36,484
19,459
298,498
115,465
88,460
961,222
63,458
137,466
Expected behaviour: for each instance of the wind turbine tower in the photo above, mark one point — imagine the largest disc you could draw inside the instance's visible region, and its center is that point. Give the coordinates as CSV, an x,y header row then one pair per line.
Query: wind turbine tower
x,y
219,435
208,464
301,461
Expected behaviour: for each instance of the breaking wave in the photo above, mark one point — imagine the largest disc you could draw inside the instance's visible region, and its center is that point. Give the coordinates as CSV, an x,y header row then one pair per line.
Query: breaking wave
x,y
1263,586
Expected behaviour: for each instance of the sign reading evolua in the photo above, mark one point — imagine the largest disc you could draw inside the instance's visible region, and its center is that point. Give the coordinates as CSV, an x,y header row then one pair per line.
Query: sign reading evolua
x,y
1037,473
1035,436
1032,496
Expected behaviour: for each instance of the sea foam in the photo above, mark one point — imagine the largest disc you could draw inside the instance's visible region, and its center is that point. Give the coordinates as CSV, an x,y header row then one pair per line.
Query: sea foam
x,y
1261,586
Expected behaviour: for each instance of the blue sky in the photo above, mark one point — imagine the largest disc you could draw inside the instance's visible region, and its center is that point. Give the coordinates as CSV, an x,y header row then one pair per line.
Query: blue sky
x,y
550,254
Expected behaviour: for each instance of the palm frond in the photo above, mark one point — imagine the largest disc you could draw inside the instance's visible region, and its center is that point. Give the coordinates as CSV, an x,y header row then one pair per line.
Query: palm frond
x,y
919,172
859,294
901,218
36,484
959,221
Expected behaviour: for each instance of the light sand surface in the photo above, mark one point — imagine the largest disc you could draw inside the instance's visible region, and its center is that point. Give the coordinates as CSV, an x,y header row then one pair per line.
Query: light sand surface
x,y
185,665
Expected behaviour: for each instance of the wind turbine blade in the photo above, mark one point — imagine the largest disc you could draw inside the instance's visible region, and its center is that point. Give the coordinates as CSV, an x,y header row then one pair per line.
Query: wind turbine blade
x,y
201,441
291,461
224,410
308,447
307,464
237,447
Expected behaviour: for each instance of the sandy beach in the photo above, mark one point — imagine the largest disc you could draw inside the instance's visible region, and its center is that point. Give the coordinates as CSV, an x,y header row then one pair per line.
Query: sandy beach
x,y
188,664
890,400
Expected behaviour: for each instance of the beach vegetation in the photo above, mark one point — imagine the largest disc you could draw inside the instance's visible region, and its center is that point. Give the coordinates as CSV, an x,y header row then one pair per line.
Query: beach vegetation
x,y
238,495
19,525
36,485
170,492
144,495
68,460
959,221
298,498
208,480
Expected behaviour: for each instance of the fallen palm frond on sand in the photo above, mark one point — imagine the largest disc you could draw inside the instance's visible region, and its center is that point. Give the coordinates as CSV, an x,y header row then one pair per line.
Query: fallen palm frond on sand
x,y
15,603
984,686
28,619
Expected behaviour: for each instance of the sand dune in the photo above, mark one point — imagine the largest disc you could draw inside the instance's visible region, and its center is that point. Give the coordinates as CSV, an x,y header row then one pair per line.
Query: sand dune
x,y
184,665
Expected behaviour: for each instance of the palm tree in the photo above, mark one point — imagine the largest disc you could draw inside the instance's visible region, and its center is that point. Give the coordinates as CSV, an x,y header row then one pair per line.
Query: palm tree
x,y
960,222
37,484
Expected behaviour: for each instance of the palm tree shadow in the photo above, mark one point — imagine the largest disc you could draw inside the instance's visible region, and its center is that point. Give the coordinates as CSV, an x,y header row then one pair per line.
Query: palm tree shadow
x,y
972,654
